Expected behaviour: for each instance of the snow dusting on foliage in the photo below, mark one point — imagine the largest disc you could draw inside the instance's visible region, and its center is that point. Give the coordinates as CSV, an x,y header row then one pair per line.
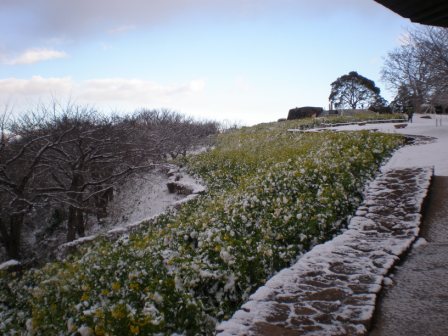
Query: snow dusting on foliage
x,y
271,196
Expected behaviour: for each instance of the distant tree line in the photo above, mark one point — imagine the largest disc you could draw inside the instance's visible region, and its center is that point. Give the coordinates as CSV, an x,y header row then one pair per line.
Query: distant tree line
x,y
69,158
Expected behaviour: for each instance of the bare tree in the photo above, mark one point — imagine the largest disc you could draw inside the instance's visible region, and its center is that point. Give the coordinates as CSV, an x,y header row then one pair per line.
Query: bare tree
x,y
72,157
433,47
174,133
21,160
419,66
96,153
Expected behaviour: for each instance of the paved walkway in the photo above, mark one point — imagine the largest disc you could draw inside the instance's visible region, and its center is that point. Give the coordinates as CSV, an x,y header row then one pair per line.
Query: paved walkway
x,y
417,302
332,289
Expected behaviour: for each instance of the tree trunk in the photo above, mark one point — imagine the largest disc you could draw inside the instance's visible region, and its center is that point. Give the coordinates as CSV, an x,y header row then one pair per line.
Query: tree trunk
x,y
75,223
417,102
80,227
14,237
75,215
101,203
71,228
4,235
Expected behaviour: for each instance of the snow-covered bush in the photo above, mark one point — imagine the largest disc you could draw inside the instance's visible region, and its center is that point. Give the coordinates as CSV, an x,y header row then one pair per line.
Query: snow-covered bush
x,y
272,195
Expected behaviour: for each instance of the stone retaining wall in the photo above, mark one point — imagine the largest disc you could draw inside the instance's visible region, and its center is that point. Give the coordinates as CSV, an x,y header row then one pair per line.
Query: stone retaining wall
x,y
332,289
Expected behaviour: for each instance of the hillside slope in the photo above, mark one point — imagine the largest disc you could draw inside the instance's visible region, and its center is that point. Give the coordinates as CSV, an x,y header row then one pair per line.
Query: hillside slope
x,y
271,196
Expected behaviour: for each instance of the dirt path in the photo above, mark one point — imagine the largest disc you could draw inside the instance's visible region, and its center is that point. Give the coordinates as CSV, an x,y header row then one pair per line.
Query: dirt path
x,y
417,302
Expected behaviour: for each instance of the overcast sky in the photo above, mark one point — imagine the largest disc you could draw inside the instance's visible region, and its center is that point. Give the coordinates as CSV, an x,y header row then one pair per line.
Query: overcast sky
x,y
248,61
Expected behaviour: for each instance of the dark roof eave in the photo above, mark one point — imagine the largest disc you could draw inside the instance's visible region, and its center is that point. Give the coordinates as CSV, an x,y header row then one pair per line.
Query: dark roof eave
x,y
429,12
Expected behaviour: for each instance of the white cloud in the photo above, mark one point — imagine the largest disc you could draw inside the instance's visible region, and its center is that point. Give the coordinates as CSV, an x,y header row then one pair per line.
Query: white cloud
x,y
36,86
31,56
102,91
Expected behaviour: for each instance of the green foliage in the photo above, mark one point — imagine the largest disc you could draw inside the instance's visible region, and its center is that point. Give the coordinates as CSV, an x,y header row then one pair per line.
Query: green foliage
x,y
272,195
353,91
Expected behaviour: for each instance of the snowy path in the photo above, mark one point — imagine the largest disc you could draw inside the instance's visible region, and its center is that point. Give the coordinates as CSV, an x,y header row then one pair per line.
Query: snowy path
x,y
417,301
332,289
434,153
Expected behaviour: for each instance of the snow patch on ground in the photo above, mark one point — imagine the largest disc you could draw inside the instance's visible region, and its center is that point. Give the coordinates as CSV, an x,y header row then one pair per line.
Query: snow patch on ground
x,y
79,241
388,281
146,196
9,263
420,242
139,199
